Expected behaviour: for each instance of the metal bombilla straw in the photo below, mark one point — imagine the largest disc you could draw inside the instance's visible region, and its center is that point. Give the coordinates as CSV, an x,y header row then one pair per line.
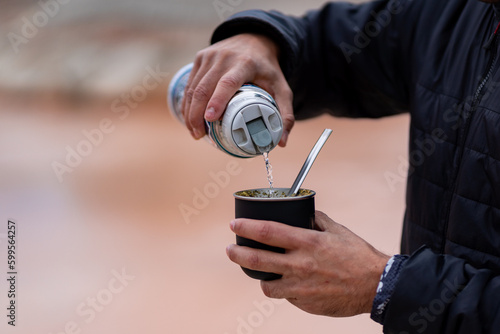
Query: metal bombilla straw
x,y
309,162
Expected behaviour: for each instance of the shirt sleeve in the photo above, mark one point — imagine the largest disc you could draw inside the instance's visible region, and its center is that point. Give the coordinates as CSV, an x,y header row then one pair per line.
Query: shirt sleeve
x,y
386,286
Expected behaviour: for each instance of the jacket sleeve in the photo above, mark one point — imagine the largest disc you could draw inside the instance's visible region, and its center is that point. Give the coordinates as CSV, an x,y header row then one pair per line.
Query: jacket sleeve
x,y
344,59
443,294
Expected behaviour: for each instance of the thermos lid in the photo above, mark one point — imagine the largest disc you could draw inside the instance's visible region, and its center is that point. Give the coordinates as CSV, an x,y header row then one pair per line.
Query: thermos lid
x,y
259,133
257,128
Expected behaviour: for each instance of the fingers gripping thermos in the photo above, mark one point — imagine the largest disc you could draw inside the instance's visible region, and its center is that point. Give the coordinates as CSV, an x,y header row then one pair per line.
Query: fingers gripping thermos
x,y
251,124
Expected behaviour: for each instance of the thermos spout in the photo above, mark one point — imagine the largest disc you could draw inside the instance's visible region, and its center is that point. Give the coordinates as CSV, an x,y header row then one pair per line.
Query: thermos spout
x,y
260,135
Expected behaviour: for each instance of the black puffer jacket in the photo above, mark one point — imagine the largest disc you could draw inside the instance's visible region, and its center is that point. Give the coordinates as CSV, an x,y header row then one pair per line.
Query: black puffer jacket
x,y
437,59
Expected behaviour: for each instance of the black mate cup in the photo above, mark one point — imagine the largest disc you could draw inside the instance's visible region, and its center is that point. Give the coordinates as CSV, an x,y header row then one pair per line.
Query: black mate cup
x,y
273,205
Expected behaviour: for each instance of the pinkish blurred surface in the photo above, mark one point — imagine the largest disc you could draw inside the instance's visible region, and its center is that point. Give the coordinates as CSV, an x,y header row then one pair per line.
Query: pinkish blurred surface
x,y
104,248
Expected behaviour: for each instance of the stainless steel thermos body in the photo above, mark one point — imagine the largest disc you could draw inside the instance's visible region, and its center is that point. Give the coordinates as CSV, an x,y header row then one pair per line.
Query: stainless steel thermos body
x,y
251,124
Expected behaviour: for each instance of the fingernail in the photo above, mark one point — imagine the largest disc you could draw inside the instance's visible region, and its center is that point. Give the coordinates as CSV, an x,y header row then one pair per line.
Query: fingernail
x,y
210,114
231,224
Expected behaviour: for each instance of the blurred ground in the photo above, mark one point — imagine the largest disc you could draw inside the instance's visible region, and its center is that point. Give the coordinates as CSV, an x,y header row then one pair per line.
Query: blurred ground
x,y
104,248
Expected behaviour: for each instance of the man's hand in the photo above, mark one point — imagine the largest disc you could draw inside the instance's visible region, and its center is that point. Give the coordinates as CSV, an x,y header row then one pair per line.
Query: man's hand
x,y
329,272
221,69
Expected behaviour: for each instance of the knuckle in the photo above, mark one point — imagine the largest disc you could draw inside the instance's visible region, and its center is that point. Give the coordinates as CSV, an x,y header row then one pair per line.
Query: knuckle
x,y
200,93
232,54
248,62
254,261
321,254
288,118
309,265
264,232
201,55
224,53
188,95
312,240
305,267
287,92
229,81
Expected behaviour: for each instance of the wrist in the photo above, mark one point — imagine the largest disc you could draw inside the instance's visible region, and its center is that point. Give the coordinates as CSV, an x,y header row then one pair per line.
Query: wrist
x,y
386,287
376,271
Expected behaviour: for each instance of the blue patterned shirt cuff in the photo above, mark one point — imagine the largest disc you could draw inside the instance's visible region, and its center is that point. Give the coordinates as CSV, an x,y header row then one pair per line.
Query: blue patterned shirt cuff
x,y
386,287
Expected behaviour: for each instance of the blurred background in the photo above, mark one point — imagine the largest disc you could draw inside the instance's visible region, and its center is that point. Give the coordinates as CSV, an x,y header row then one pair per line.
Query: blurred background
x,y
130,236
